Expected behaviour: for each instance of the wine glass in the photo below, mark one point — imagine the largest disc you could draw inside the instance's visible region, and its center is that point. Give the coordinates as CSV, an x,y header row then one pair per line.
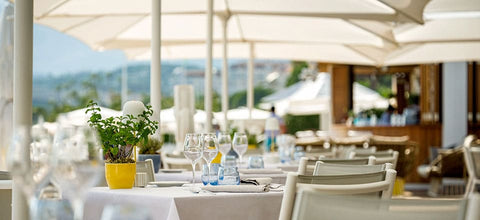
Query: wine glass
x,y
192,149
210,148
29,162
224,143
240,144
78,163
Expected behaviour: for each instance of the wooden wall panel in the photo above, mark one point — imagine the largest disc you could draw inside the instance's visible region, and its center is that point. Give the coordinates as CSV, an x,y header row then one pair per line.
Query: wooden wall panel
x,y
430,97
341,92
473,93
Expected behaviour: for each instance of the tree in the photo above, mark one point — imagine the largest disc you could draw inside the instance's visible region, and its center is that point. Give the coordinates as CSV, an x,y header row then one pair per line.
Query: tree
x,y
296,71
216,103
240,98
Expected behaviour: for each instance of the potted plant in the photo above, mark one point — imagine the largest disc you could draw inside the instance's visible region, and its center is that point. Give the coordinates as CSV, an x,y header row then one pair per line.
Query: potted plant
x,y
149,150
119,136
252,141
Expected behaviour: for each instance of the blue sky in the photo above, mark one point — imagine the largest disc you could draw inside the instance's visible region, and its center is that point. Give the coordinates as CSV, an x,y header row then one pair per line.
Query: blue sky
x,y
57,53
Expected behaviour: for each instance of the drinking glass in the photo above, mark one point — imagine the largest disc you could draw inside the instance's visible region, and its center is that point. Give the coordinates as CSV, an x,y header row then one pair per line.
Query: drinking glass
x,y
224,143
255,162
210,148
240,144
210,176
78,163
192,149
28,160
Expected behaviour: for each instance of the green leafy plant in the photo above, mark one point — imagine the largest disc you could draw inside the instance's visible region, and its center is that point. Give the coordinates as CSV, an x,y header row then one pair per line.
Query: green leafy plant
x,y
120,134
151,147
252,139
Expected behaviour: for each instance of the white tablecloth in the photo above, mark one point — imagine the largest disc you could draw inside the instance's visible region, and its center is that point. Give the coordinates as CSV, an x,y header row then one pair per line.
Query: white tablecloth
x,y
178,203
187,176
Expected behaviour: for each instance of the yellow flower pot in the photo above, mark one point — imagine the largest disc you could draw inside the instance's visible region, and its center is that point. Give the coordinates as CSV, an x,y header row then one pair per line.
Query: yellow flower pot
x,y
120,175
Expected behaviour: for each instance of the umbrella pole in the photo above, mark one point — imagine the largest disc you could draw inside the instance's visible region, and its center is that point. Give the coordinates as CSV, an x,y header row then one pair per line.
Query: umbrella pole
x,y
224,20
250,89
22,95
208,68
155,66
124,89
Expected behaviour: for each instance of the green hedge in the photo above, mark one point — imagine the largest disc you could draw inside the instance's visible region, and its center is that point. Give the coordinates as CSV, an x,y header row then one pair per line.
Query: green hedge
x,y
296,123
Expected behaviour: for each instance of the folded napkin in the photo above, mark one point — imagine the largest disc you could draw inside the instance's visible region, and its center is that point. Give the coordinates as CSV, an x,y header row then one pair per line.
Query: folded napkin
x,y
260,171
257,181
237,188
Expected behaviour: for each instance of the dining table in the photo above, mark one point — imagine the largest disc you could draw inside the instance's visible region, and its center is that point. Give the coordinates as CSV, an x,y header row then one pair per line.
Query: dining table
x,y
174,203
277,178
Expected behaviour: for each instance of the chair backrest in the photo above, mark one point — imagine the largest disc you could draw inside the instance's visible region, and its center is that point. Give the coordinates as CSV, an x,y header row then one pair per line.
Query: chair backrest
x,y
360,150
171,161
146,167
389,139
322,168
381,157
319,152
472,157
306,166
344,151
471,153
357,184
357,161
358,141
314,205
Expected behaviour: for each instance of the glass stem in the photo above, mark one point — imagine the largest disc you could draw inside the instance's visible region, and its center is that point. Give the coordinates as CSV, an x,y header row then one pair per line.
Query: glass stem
x,y
193,172
77,209
33,208
209,169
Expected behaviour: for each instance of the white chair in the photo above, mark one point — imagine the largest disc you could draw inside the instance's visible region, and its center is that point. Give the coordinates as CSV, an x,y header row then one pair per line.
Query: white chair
x,y
322,168
344,151
388,156
314,205
146,167
472,160
358,184
171,161
307,166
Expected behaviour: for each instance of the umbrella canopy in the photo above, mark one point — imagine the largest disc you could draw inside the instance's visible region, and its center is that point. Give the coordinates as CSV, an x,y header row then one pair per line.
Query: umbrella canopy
x,y
78,117
313,97
386,32
279,29
242,113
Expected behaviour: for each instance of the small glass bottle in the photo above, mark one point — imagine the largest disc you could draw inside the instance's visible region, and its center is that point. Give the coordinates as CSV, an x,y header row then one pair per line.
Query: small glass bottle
x,y
299,153
228,174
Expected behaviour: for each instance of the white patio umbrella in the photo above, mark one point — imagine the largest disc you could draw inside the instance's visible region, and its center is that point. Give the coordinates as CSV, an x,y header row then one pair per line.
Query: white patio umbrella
x,y
450,33
168,123
313,97
242,113
79,117
112,24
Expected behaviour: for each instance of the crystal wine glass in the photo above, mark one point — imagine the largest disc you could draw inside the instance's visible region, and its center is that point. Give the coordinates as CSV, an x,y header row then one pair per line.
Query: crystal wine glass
x,y
78,163
29,162
192,149
210,148
240,144
224,143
